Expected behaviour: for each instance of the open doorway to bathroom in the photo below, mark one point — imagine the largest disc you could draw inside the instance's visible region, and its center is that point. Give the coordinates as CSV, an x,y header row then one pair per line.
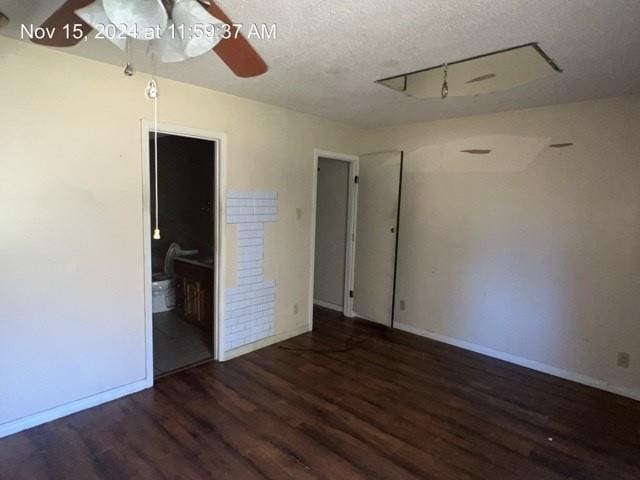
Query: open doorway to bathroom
x,y
182,258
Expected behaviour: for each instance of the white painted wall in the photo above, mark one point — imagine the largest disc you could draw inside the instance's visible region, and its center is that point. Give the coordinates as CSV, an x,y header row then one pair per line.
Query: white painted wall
x,y
71,289
331,230
528,251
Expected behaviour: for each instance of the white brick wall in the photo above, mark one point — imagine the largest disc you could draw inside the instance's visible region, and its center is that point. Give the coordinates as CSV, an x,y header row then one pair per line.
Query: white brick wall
x,y
250,307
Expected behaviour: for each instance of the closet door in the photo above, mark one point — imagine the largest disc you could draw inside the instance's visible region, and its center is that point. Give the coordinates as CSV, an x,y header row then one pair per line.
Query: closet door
x,y
377,218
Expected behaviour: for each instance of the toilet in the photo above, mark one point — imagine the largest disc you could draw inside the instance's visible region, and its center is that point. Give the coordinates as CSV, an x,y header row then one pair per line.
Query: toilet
x,y
163,291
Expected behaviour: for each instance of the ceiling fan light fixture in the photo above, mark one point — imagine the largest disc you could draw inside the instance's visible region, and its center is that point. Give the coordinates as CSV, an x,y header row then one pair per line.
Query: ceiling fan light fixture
x,y
201,29
143,19
168,48
148,20
95,14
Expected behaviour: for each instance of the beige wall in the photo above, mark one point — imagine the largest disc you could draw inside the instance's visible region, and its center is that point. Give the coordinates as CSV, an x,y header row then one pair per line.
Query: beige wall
x,y
71,246
331,231
530,251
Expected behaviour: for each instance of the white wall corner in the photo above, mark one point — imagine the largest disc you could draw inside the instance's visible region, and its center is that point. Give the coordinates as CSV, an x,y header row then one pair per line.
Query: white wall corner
x,y
329,305
523,362
252,347
70,408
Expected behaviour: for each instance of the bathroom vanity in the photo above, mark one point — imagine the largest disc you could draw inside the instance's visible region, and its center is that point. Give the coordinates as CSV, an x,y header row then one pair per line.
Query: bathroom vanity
x,y
194,290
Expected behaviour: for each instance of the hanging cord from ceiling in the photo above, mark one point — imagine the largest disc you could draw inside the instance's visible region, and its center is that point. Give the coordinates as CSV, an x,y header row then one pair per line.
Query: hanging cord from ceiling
x,y
445,86
152,93
128,69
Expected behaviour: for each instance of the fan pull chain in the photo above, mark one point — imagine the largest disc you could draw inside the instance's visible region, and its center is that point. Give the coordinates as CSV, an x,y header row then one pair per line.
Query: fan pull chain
x,y
128,69
152,94
445,85
154,87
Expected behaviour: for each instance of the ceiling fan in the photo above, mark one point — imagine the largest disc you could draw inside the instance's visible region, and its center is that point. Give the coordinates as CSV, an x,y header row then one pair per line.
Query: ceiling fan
x,y
234,50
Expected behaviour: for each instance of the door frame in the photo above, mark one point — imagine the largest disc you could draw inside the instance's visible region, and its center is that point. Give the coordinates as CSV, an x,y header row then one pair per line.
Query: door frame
x,y
395,258
352,211
219,233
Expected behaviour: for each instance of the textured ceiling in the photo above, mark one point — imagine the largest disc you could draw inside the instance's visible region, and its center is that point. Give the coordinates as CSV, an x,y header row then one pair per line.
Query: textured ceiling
x,y
328,54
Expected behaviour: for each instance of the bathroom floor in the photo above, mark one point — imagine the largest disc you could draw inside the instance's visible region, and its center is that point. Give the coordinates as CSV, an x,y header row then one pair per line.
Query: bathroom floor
x,y
177,344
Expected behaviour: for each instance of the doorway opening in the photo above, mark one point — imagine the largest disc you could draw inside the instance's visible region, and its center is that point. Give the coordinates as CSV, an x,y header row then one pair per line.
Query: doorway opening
x,y
367,189
182,261
334,231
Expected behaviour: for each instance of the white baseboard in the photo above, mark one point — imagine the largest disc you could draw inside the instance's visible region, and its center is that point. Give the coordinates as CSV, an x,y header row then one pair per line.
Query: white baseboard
x,y
265,342
39,418
332,306
523,362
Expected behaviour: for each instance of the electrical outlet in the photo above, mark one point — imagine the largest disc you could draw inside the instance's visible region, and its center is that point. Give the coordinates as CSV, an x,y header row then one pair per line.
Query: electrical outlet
x,y
295,309
623,360
402,305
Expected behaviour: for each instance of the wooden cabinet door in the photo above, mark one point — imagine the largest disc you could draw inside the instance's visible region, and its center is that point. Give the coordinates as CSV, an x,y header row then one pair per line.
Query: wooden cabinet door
x,y
194,294
192,301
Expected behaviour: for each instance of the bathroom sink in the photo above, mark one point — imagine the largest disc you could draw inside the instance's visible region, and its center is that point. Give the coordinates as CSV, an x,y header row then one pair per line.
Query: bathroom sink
x,y
194,260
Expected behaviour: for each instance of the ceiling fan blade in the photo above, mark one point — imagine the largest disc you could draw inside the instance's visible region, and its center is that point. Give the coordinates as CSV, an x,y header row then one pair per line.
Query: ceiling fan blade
x,y
65,15
236,52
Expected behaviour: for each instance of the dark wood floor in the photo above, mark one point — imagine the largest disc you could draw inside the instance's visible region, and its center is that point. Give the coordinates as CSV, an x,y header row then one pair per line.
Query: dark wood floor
x,y
393,406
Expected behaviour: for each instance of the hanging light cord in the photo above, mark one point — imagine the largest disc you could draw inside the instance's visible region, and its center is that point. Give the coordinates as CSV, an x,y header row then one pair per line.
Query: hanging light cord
x,y
445,85
151,93
153,86
128,68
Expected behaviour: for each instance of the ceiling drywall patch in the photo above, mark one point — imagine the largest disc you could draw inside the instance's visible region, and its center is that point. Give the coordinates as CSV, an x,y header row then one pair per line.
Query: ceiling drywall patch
x,y
492,72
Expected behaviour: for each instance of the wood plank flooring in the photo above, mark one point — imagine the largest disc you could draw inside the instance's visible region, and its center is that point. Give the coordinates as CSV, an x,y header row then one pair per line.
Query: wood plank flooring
x,y
367,403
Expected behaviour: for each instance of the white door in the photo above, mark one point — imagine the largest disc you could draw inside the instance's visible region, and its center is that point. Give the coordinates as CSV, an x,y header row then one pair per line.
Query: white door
x,y
378,191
